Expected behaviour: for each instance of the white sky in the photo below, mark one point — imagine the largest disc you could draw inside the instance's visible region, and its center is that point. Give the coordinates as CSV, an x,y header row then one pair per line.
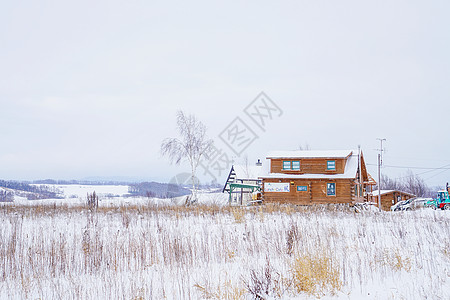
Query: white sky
x,y
91,88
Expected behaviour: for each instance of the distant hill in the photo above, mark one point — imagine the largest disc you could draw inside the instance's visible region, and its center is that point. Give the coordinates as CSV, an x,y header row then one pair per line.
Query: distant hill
x,y
45,189
31,192
145,189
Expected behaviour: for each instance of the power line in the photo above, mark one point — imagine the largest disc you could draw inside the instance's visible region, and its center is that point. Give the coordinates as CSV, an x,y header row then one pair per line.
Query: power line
x,y
415,158
446,167
421,173
436,174
443,168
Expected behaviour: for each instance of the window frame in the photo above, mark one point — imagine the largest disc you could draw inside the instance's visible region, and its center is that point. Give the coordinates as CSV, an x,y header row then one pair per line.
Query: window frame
x,y
328,165
334,189
290,165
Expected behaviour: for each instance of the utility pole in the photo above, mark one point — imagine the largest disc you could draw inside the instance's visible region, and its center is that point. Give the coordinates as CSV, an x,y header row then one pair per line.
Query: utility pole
x,y
380,162
359,175
381,149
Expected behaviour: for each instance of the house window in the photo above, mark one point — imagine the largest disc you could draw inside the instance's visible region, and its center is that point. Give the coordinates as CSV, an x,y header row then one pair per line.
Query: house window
x,y
331,189
286,165
296,165
359,190
331,165
302,188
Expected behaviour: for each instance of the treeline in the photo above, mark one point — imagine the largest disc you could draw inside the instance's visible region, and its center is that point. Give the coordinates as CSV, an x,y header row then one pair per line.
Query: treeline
x,y
32,192
80,182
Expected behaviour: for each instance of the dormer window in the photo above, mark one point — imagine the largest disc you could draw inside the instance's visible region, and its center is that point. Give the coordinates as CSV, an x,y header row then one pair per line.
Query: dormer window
x,y
291,165
331,165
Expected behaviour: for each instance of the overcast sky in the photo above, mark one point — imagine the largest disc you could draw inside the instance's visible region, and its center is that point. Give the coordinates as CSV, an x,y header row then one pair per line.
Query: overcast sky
x,y
91,88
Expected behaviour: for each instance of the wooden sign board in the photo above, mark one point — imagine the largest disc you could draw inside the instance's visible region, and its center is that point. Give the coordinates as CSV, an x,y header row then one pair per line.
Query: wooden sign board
x,y
277,187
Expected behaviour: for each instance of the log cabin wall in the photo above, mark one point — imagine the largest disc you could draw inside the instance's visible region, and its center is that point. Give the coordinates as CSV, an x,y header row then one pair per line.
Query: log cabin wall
x,y
308,166
386,201
316,192
391,198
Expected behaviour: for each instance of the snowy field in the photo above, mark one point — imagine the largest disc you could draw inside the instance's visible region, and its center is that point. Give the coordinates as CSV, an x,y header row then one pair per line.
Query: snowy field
x,y
80,191
113,196
152,249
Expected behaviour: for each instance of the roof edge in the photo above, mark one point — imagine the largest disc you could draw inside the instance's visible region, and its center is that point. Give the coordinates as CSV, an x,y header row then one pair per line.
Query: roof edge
x,y
319,154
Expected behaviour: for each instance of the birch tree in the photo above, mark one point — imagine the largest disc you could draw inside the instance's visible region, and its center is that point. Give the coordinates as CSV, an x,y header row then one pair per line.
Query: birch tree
x,y
192,145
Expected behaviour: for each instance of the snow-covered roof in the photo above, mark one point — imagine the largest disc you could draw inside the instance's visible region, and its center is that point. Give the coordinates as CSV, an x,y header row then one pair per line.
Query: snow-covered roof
x,y
311,154
249,171
384,192
351,168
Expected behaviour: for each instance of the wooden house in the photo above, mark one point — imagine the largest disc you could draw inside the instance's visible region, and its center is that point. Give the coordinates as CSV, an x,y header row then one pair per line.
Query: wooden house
x,y
389,197
316,177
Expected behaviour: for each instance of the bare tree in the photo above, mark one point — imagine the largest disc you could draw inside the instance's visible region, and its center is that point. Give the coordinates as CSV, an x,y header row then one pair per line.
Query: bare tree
x,y
416,185
191,146
304,147
388,183
410,183
246,167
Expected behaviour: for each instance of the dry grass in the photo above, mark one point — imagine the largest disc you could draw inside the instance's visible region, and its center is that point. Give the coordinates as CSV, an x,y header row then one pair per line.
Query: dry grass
x,y
445,250
226,291
238,214
156,252
395,260
316,274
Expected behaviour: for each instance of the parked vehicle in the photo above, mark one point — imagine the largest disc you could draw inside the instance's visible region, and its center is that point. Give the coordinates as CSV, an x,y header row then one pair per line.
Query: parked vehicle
x,y
398,206
366,206
415,203
441,201
431,203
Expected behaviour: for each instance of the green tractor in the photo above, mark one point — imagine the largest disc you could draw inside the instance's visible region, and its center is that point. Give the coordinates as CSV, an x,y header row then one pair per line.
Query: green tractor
x,y
442,200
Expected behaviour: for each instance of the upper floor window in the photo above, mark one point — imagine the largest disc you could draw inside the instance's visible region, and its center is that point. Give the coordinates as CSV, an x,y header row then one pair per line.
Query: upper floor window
x,y
331,165
286,165
296,165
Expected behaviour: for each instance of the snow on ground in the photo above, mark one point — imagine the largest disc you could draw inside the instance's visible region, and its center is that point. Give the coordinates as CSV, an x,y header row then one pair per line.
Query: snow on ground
x,y
80,191
140,248
116,195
